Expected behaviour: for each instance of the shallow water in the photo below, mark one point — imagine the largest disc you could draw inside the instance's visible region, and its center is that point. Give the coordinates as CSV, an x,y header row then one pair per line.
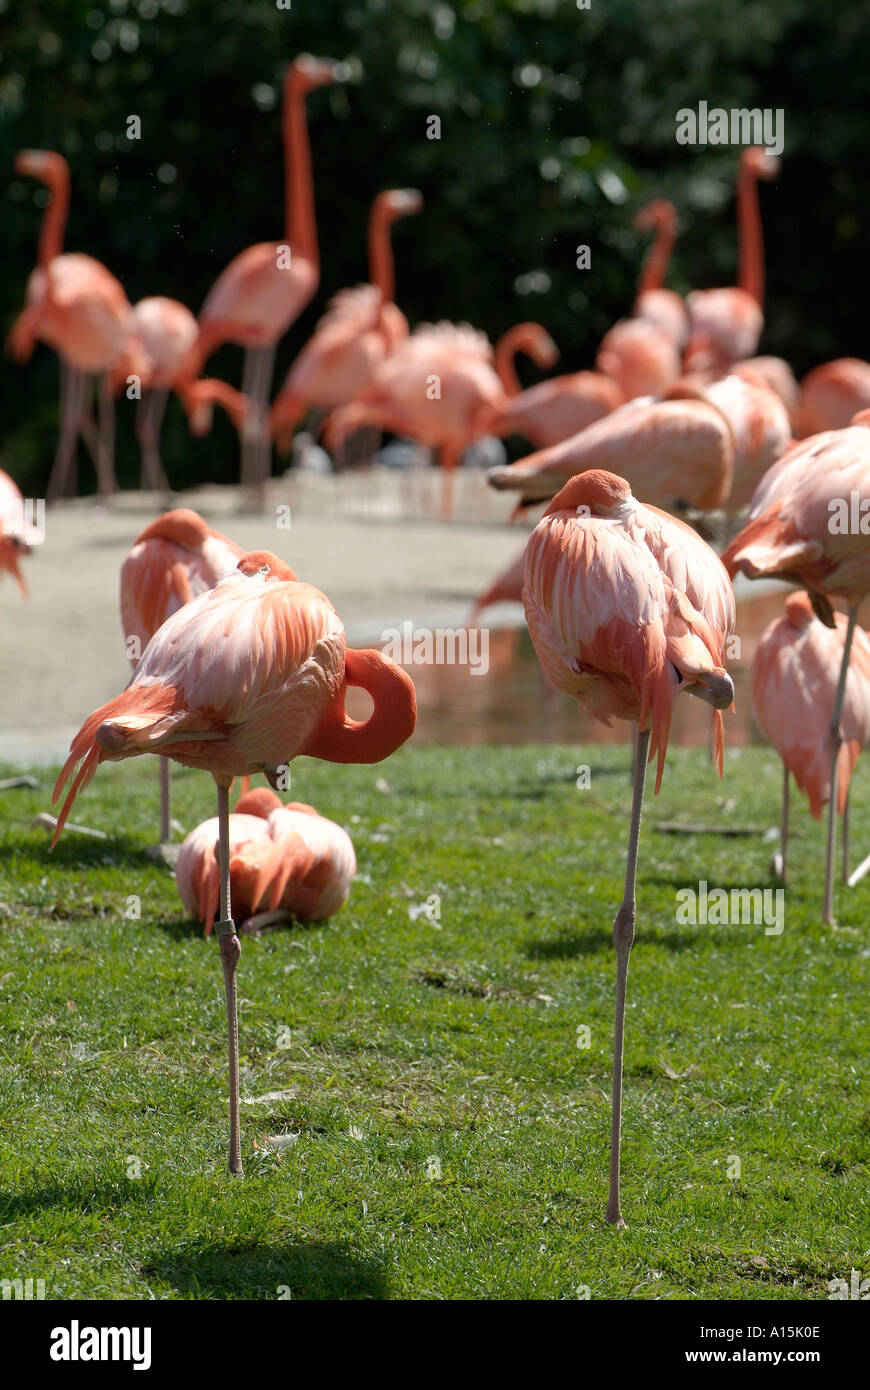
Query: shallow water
x,y
513,703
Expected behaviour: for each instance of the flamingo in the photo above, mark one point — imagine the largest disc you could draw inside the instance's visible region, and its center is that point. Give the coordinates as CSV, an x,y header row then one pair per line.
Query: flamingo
x,y
439,386
531,339
657,305
360,328
776,374
304,862
242,679
759,422
794,685
726,324
174,559
78,307
675,452
17,534
642,358
832,394
626,608
265,288
788,535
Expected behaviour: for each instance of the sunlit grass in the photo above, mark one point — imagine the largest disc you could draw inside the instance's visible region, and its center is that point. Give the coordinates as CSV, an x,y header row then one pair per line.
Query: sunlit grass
x,y
445,1135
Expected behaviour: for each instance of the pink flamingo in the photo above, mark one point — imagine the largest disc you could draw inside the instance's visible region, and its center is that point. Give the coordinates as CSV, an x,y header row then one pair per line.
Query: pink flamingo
x,y
439,386
174,559
78,307
800,528
265,288
660,306
794,686
832,394
726,324
627,608
759,422
360,328
242,679
17,534
303,862
677,452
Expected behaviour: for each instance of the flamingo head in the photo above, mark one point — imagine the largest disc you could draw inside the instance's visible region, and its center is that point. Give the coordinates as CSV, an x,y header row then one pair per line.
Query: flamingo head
x,y
758,162
594,493
537,344
263,563
655,215
799,609
309,72
45,165
402,202
259,801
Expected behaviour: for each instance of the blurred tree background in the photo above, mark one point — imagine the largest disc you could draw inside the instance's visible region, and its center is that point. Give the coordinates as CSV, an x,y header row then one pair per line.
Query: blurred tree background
x,y
557,124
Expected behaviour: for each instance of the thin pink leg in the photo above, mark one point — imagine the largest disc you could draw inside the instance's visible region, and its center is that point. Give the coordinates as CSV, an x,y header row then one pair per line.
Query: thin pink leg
x,y
230,949
623,939
835,741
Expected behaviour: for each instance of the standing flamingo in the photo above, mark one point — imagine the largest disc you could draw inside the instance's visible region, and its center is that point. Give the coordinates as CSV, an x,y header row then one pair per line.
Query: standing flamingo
x,y
794,686
240,680
174,559
726,324
624,613
301,861
801,527
17,534
439,386
660,306
265,288
78,307
360,328
675,452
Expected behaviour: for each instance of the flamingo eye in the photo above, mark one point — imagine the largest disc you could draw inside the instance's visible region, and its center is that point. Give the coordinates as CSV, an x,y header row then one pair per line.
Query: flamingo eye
x,y
264,569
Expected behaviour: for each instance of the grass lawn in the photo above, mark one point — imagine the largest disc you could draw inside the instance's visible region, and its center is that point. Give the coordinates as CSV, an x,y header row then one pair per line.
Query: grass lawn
x,y
444,1134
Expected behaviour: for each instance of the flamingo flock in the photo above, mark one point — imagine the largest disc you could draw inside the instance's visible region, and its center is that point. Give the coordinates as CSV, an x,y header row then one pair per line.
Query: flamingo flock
x,y
238,666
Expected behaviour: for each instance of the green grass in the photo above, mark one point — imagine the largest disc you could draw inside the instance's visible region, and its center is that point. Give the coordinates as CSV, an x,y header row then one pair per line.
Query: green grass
x,y
384,1041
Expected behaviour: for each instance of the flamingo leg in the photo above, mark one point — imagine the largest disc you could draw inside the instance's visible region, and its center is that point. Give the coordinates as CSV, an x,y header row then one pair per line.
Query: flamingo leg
x,y
836,739
846,839
230,949
165,824
256,438
783,830
107,483
449,461
149,421
623,938
72,386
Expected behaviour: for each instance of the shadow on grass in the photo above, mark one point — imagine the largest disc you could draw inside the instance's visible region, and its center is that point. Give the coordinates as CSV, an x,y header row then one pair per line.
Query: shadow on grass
x,y
79,1194
595,940
310,1270
76,852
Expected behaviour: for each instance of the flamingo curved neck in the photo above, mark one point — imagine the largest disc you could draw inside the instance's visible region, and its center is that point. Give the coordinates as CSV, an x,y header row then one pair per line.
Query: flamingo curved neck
x,y
506,349
391,722
656,263
51,232
750,273
382,271
300,226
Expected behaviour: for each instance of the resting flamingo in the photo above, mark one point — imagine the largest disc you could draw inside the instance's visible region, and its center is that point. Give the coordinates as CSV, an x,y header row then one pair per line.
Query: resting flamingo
x,y
360,328
794,686
242,679
677,452
627,608
553,409
174,559
832,394
301,863
800,528
759,422
265,288
78,307
726,324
